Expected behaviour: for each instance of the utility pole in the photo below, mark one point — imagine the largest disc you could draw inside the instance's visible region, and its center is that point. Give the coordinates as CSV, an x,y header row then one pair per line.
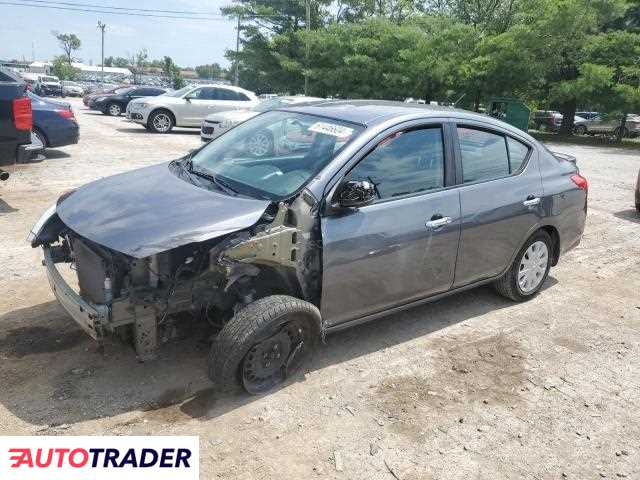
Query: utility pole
x,y
235,76
102,26
306,72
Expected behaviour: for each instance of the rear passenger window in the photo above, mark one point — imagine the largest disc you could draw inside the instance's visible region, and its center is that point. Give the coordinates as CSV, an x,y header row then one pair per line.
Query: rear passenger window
x,y
518,152
484,155
405,163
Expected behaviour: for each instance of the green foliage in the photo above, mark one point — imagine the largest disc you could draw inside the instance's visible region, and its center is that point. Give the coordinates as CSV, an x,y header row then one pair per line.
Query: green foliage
x,y
556,54
212,71
62,68
69,42
172,72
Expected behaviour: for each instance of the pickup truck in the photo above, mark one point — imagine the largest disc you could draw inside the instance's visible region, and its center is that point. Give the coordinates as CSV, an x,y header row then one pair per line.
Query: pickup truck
x,y
15,121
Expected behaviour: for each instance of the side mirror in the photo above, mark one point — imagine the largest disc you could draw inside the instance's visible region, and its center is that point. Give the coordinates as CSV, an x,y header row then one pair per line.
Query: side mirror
x,y
355,193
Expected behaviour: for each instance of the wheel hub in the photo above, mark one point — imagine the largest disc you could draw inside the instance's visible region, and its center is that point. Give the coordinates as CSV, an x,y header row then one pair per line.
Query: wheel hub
x,y
270,361
533,267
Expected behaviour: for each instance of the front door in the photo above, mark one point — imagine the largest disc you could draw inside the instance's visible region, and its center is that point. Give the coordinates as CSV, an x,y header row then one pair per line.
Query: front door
x,y
403,246
500,200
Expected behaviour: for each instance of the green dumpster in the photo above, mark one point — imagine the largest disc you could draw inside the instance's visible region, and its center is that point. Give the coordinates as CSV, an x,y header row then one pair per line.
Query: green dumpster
x,y
510,110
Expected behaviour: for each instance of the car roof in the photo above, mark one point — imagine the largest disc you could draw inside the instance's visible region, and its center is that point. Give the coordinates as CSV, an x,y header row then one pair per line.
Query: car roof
x,y
371,112
222,85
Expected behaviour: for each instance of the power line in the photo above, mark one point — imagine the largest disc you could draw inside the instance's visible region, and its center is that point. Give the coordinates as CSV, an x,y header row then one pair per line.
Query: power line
x,y
136,12
80,4
132,14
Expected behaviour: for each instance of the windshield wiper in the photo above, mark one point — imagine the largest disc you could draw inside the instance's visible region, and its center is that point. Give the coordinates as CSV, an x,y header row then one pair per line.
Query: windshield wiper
x,y
221,184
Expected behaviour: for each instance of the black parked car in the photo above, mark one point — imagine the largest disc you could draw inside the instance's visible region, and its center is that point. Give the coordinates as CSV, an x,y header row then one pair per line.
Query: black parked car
x,y
115,103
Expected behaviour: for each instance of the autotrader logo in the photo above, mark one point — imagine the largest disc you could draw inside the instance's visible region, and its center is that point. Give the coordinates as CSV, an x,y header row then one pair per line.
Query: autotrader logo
x,y
99,457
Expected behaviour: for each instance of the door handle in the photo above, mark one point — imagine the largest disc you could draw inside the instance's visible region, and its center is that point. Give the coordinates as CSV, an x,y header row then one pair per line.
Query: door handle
x,y
437,222
531,201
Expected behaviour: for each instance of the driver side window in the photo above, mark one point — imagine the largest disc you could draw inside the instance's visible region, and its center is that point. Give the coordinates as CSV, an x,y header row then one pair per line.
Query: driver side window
x,y
404,163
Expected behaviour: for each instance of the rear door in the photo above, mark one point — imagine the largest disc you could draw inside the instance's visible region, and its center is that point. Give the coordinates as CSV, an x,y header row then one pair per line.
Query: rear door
x,y
403,246
500,199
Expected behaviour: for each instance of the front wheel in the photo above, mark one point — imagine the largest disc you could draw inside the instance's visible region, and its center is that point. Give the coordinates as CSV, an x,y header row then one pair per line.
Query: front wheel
x,y
529,270
581,130
160,122
113,109
264,343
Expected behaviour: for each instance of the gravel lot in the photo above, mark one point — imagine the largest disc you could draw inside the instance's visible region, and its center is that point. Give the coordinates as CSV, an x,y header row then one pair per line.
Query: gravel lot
x,y
470,387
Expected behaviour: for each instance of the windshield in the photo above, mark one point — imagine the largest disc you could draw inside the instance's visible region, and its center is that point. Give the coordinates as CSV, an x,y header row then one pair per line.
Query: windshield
x,y
179,93
48,79
271,104
274,154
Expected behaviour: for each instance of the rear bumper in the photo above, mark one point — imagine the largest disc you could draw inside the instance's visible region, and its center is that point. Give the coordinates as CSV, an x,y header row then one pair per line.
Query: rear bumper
x,y
90,317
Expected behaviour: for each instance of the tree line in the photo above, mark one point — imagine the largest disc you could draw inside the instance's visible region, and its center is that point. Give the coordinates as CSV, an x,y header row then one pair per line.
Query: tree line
x,y
553,54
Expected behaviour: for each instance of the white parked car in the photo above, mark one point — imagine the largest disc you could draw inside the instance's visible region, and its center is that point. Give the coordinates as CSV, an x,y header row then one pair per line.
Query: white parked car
x,y
188,106
72,89
610,125
216,124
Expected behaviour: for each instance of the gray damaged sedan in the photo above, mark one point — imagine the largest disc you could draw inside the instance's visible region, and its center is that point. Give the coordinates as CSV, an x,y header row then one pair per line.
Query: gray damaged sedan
x,y
361,209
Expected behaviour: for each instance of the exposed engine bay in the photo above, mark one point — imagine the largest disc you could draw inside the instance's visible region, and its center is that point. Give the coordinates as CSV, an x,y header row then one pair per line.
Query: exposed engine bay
x,y
211,280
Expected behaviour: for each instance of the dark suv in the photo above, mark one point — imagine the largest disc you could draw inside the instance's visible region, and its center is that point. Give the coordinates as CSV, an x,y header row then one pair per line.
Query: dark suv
x,y
362,209
115,103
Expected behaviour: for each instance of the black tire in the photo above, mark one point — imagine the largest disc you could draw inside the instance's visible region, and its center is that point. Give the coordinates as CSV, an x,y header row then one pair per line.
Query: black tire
x,y
113,109
508,285
581,130
233,350
625,132
154,124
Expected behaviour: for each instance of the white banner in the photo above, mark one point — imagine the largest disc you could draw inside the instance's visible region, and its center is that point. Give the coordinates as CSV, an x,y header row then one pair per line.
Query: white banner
x,y
99,458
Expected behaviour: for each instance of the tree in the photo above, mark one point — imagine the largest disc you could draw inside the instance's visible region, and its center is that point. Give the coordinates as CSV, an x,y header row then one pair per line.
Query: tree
x,y
211,71
136,63
172,72
616,56
69,43
62,68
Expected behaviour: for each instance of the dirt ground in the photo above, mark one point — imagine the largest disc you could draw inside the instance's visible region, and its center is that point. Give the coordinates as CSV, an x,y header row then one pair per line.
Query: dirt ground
x,y
471,387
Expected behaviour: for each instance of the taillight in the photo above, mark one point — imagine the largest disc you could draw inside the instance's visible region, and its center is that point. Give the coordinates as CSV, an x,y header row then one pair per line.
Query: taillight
x,y
22,116
65,113
580,181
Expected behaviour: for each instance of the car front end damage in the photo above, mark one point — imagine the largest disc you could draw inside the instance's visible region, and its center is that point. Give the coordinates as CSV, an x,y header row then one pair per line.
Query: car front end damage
x,y
137,298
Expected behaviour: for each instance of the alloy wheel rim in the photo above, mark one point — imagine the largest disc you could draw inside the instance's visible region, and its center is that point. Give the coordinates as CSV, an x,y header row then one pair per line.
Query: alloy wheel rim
x,y
114,110
259,145
533,267
161,122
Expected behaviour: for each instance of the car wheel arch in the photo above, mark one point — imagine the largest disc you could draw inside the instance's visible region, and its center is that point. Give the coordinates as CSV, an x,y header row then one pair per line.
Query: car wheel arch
x,y
40,132
548,228
164,110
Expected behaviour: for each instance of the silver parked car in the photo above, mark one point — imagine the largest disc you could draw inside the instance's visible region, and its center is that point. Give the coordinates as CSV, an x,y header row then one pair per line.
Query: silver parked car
x,y
610,125
216,124
71,89
363,208
188,106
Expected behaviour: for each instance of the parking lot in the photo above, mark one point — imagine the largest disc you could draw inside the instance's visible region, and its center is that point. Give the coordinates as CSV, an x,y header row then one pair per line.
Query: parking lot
x,y
473,386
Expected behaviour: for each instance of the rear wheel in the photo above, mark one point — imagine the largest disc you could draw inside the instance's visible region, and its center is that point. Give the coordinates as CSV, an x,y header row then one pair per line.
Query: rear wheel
x,y
529,270
38,138
625,132
264,343
113,109
160,121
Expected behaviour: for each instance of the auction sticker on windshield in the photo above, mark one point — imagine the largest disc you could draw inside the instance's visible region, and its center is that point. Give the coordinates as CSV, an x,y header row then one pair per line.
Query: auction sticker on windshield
x,y
99,458
331,129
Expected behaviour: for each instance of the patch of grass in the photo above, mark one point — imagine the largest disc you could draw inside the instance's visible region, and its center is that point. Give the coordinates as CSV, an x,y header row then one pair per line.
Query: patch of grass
x,y
596,140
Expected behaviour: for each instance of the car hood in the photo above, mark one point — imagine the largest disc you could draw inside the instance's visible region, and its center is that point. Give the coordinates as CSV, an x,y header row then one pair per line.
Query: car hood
x,y
232,115
151,210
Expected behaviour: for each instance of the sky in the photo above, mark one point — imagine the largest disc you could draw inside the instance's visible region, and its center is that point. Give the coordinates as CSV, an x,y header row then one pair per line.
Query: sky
x,y
27,30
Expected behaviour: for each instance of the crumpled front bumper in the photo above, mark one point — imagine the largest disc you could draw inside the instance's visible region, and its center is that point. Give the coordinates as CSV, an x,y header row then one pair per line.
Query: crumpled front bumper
x,y
92,318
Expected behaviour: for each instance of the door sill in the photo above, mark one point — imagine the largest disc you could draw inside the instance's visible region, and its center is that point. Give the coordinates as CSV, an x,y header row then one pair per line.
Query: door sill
x,y
406,306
